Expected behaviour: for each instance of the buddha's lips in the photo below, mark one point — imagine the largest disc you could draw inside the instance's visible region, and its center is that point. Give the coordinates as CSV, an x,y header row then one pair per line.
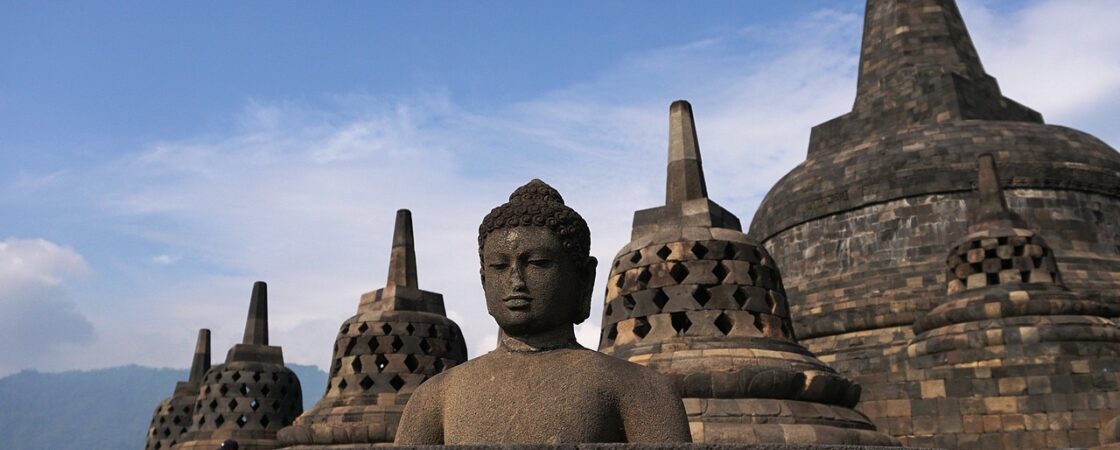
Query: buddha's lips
x,y
517,302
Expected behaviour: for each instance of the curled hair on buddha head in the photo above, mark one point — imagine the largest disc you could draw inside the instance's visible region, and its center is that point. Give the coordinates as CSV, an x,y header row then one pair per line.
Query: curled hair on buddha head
x,y
536,204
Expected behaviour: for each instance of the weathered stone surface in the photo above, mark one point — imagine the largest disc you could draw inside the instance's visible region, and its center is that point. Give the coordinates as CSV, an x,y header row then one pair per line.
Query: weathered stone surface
x,y
540,385
861,226
399,338
643,446
1005,362
173,415
250,397
696,299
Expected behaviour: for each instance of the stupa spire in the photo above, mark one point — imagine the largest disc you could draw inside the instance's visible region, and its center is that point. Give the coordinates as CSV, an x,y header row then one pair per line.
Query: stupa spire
x,y
992,211
402,259
256,325
686,175
201,362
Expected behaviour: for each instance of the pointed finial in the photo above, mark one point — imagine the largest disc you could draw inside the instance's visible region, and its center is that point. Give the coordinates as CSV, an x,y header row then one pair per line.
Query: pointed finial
x,y
402,260
201,362
256,326
686,176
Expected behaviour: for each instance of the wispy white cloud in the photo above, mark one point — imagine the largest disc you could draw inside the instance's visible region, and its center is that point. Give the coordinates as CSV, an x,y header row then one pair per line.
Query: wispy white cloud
x,y
303,195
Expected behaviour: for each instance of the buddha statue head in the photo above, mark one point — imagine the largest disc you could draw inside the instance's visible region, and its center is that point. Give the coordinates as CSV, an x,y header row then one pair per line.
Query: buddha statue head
x,y
536,267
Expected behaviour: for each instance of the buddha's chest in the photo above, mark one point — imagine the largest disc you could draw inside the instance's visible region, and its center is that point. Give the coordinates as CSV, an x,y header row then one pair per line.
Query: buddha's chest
x,y
530,403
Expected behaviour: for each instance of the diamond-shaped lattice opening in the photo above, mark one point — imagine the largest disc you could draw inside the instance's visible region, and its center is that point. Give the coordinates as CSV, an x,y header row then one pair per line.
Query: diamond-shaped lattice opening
x,y
758,322
236,376
275,376
356,364
699,250
730,251
381,362
363,327
397,344
608,310
242,420
218,421
720,272
680,322
438,365
425,346
344,329
213,404
397,382
223,390
218,377
254,405
644,276
372,344
411,362
628,302
245,389
265,390
350,343
702,296
637,256
387,328
276,405
612,332
664,252
641,327
366,383
265,421
679,272
660,299
724,323
256,376
620,280
342,384
410,329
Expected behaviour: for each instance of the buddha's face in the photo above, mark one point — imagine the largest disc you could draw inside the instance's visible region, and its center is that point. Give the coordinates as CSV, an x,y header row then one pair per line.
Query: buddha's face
x,y
531,284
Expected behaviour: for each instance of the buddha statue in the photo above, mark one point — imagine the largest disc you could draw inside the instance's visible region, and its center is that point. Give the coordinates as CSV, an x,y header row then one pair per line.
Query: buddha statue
x,y
540,385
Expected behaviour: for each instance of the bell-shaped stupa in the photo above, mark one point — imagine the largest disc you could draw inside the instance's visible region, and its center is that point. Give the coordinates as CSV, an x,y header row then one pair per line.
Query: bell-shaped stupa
x,y
695,298
173,416
1010,351
399,338
250,397
860,227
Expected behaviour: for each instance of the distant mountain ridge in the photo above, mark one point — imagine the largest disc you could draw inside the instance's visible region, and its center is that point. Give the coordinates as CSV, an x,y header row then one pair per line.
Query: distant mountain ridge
x,y
104,409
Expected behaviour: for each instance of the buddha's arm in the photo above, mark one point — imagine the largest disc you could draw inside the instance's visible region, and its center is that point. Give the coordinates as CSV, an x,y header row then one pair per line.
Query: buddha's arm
x,y
652,411
422,420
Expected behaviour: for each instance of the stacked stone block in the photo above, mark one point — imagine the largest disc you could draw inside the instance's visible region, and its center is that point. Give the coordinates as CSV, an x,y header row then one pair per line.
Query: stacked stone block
x,y
1011,358
173,416
400,337
250,397
695,298
860,228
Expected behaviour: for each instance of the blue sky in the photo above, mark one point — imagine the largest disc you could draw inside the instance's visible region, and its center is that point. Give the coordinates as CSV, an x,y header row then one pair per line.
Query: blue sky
x,y
156,158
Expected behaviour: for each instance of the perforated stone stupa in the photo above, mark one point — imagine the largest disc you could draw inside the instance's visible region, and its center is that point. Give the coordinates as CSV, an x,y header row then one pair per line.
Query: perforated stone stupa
x,y
1011,358
251,396
860,228
173,415
400,337
695,298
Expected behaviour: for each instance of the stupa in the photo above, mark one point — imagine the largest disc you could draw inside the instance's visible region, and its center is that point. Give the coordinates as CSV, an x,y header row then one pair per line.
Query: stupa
x,y
250,397
1011,358
860,227
399,338
173,415
696,299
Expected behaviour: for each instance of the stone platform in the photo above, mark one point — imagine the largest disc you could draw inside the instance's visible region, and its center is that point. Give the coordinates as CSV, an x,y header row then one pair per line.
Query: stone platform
x,y
682,446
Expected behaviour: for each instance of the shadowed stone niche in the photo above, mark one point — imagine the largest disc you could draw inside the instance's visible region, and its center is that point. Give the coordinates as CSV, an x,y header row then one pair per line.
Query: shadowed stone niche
x,y
400,337
1011,358
173,415
696,299
250,397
